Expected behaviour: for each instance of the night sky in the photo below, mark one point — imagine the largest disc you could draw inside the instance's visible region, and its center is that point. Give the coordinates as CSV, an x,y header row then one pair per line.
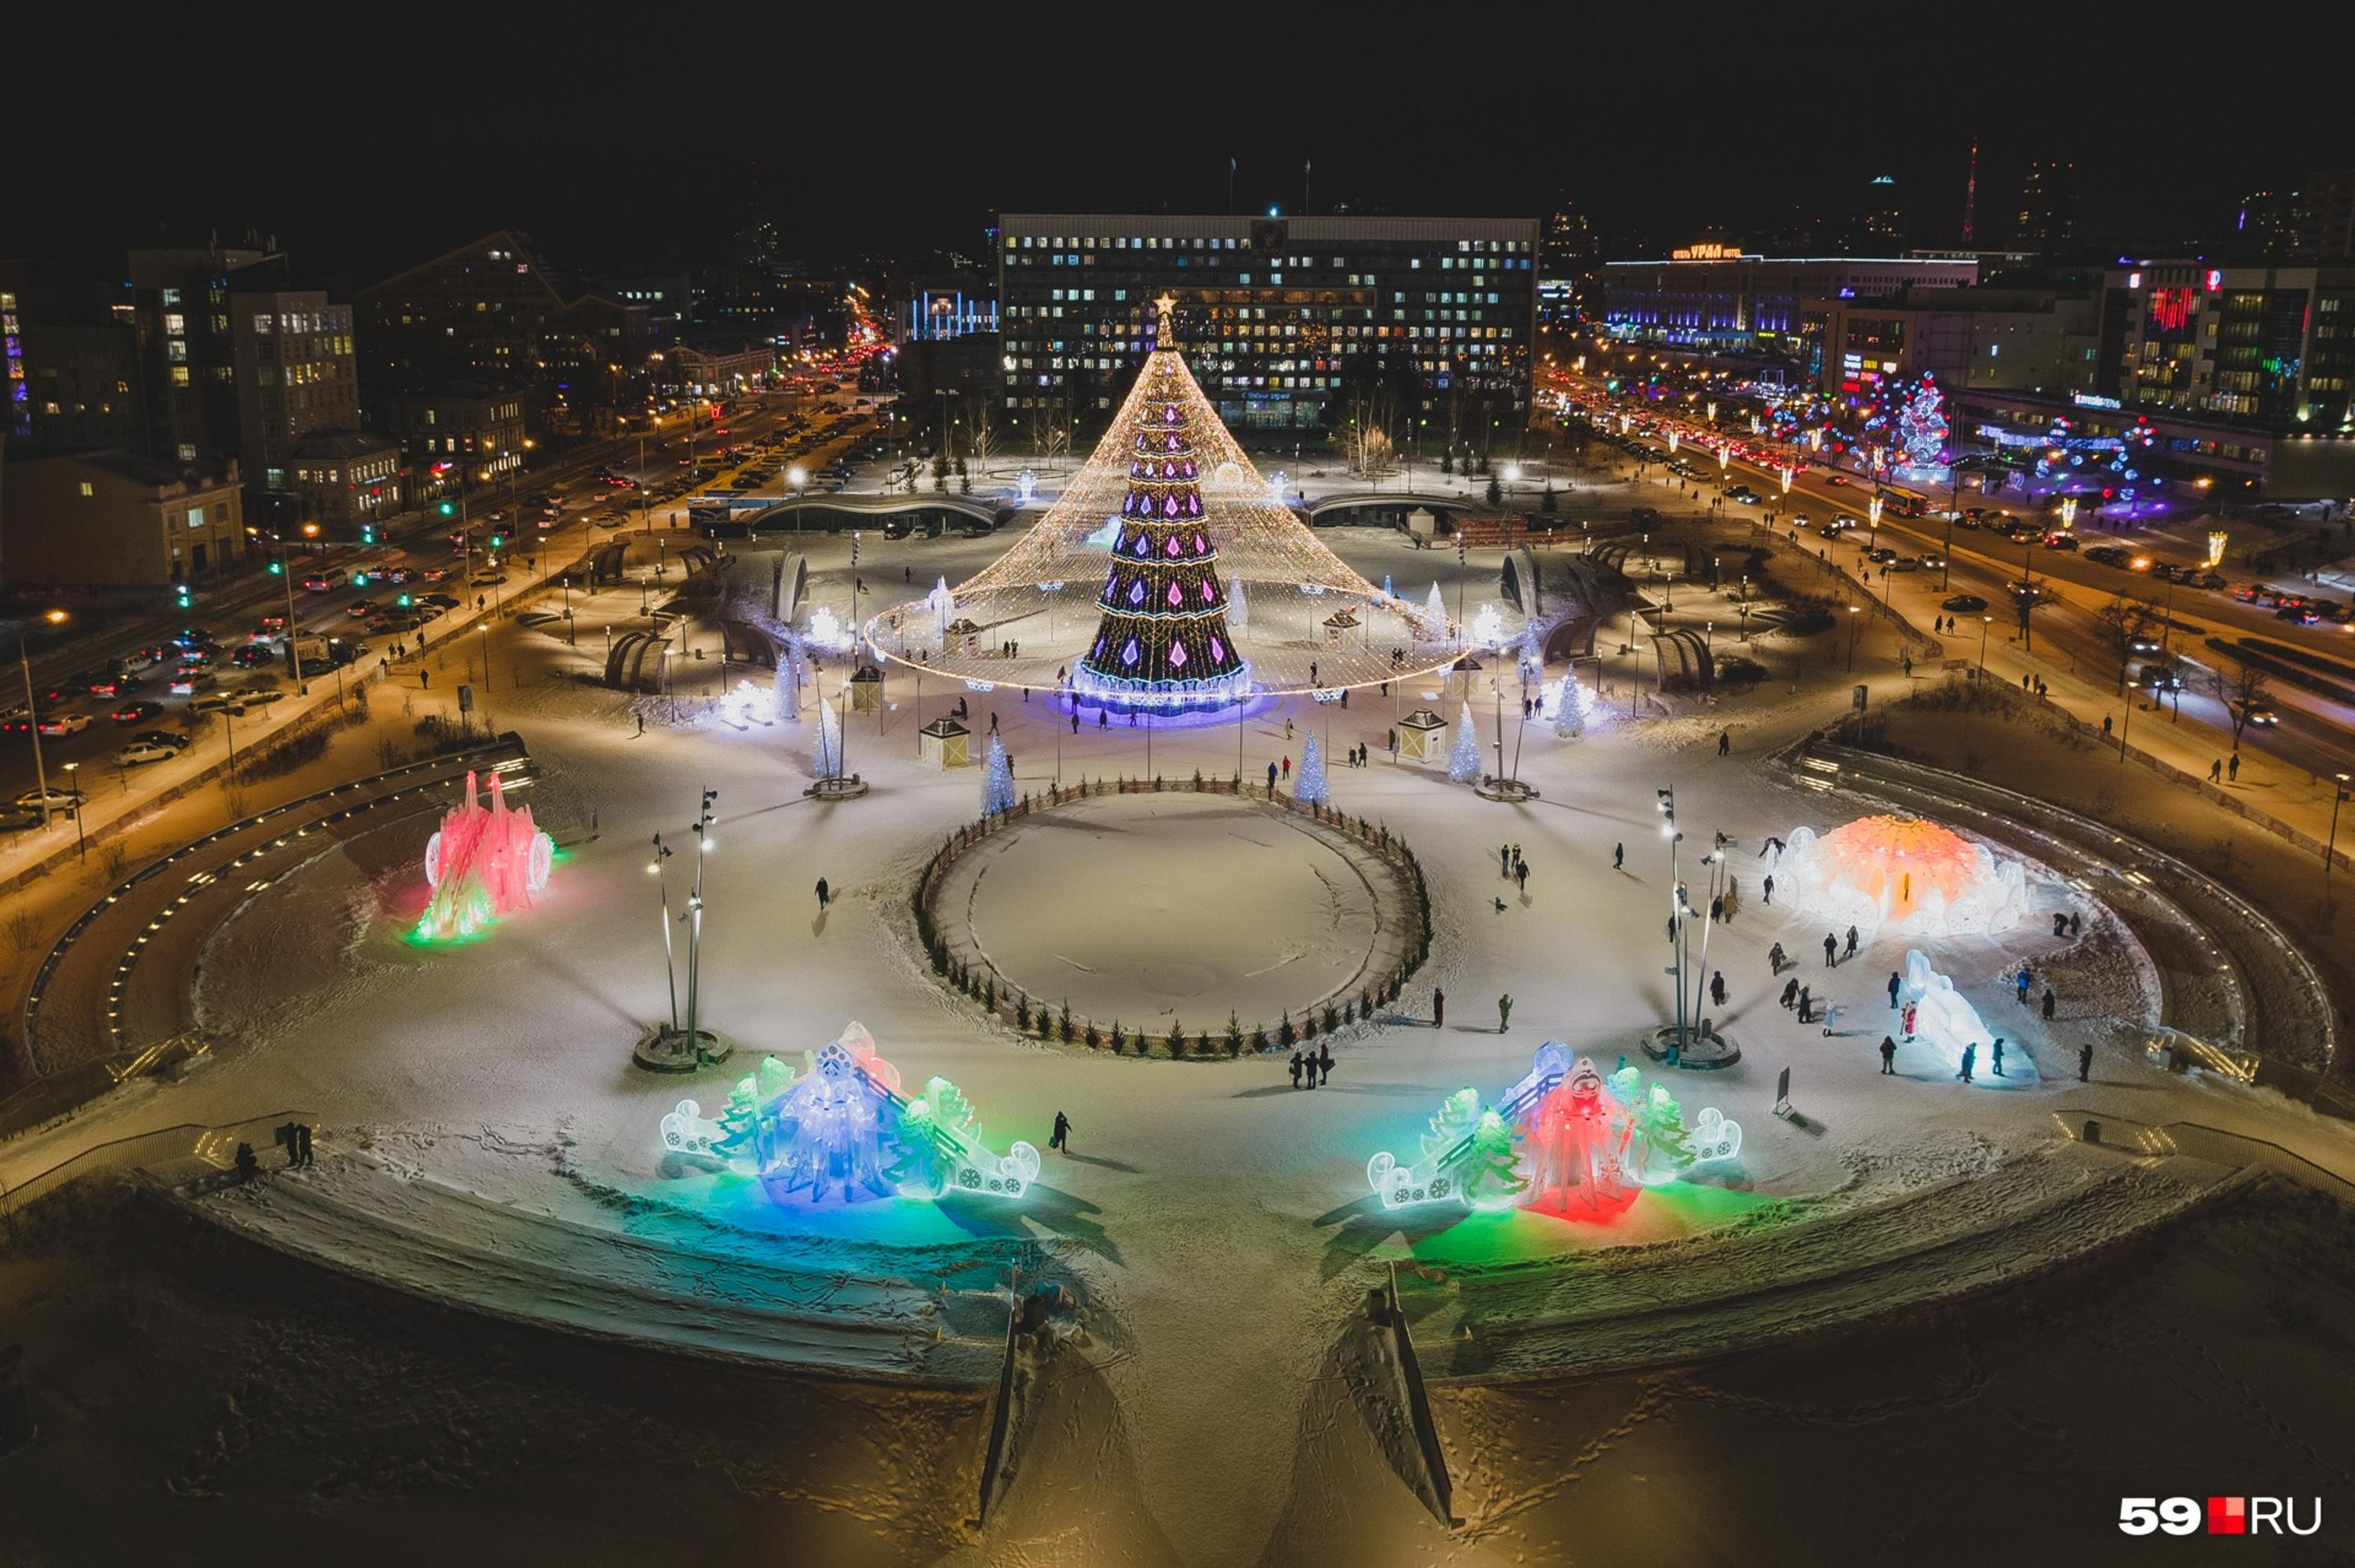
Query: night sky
x,y
367,139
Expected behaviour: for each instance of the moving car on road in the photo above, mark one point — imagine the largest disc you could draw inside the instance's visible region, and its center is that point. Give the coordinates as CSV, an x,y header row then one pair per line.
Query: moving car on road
x,y
1965,602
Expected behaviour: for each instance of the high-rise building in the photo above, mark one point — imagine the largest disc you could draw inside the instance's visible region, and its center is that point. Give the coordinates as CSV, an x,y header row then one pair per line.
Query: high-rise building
x,y
180,305
1274,313
72,368
1566,258
296,375
1880,227
2046,220
2329,228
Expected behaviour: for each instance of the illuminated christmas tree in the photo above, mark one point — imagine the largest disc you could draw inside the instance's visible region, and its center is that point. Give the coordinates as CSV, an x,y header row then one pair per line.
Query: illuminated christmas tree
x,y
1162,641
1310,789
1570,709
829,741
1463,762
1921,425
997,782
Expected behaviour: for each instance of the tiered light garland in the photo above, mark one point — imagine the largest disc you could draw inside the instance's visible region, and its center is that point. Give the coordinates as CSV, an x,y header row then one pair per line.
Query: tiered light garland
x,y
1037,634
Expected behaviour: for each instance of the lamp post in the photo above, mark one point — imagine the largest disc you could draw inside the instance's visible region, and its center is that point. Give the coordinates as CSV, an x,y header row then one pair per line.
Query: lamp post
x,y
671,968
81,845
1872,511
1984,621
797,477
1854,613
705,843
2330,853
24,667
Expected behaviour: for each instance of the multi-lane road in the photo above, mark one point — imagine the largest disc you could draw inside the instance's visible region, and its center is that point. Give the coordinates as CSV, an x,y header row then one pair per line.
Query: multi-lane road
x,y
2314,732
418,546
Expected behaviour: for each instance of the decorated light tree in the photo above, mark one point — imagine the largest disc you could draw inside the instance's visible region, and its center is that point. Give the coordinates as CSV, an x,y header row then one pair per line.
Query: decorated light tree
x,y
1310,789
1463,762
1237,607
829,741
1922,428
1569,708
1162,642
997,782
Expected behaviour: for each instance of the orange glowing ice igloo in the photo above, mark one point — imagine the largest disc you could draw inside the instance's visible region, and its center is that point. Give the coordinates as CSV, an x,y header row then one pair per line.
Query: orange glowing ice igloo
x,y
484,862
1904,873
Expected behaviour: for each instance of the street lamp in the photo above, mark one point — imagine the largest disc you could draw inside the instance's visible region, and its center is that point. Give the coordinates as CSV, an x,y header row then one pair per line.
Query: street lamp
x,y
81,845
1872,511
1854,612
1984,621
797,477
2330,853
24,664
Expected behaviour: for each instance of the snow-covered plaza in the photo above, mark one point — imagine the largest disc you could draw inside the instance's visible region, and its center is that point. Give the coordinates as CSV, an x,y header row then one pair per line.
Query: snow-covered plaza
x,y
1543,1201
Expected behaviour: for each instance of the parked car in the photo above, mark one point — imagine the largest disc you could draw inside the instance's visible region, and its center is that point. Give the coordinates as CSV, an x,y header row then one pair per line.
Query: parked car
x,y
213,703
56,799
170,738
19,819
189,682
137,713
486,580
139,753
244,701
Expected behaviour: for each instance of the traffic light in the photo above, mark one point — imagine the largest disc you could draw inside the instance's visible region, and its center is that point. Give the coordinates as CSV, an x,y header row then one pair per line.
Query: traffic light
x,y
448,509
277,568
368,533
360,579
402,600
497,540
180,596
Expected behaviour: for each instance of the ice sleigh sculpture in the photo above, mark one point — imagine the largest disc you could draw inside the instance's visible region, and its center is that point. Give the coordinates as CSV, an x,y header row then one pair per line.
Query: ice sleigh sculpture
x,y
844,1131
1564,1138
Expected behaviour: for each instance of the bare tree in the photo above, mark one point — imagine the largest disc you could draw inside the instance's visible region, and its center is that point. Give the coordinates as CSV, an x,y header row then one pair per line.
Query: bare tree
x,y
2121,624
982,437
2243,691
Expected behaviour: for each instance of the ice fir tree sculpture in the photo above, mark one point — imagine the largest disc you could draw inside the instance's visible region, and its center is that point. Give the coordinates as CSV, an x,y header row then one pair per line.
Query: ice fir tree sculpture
x,y
1310,788
829,741
1492,1175
1463,762
1162,642
997,782
1570,709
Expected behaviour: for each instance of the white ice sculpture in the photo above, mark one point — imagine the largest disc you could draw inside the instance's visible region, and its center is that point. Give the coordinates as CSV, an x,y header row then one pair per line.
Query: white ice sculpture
x,y
829,741
749,704
1237,607
1946,1022
1713,1136
1902,873
1571,706
785,698
942,604
825,630
1489,628
1464,761
1435,607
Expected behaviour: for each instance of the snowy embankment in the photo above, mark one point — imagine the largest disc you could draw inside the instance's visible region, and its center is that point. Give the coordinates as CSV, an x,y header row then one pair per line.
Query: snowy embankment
x,y
1771,1279
671,1278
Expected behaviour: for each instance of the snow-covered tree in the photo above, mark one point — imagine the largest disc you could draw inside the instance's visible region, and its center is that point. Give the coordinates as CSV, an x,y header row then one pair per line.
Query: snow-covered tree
x,y
829,741
1237,607
1463,762
997,782
1492,1173
1570,709
1310,788
788,684
1436,605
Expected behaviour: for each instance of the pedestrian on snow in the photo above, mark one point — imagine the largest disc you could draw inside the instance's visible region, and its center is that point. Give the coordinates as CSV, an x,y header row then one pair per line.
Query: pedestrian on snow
x,y
1521,876
1724,742
2060,924
1970,1058
824,894
1271,779
1394,746
1774,959
1296,1069
1287,767
2048,1004
1831,949
2076,925
1504,1013
1500,904
1790,991
993,721
1717,910
1893,983
293,1143
642,724
1851,943
1619,860
424,677
1717,988
1104,719
2233,767
2216,771
1504,860
1888,1054
1061,1137
1998,1056
1075,721
1324,1063
1287,729
1905,1019
248,1167
1806,1006
1768,889
2020,982
1438,1007
2084,1061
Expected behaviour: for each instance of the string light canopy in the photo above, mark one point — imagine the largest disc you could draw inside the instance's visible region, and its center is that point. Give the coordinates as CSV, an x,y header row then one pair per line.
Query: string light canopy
x,y
1097,571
